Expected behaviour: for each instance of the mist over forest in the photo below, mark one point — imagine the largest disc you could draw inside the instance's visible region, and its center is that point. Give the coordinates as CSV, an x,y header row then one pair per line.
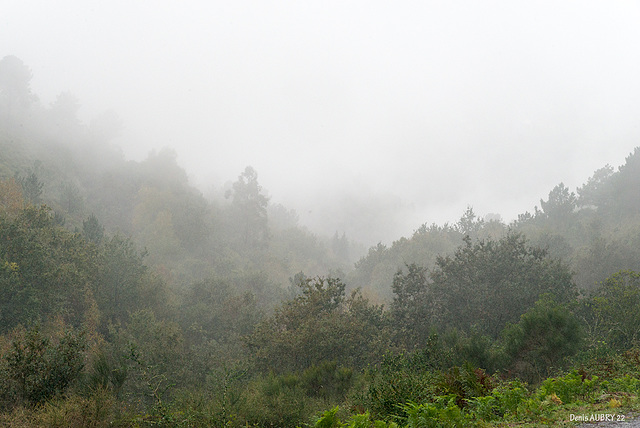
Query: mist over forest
x,y
353,215
408,113
130,297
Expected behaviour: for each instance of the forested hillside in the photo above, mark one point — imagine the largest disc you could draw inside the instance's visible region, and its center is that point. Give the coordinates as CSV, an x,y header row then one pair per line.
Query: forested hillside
x,y
594,229
129,299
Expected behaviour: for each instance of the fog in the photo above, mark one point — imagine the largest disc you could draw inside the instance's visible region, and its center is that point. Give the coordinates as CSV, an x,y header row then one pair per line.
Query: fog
x,y
367,117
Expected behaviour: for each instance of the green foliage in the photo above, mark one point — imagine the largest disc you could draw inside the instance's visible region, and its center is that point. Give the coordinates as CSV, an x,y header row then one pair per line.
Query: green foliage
x,y
412,307
70,197
44,270
330,419
616,305
47,271
154,352
443,367
486,408
123,283
398,379
491,283
31,187
319,325
107,373
464,383
276,401
469,224
456,348
545,336
626,383
620,199
78,411
442,413
570,387
40,368
153,359
214,310
507,398
327,381
376,270
92,230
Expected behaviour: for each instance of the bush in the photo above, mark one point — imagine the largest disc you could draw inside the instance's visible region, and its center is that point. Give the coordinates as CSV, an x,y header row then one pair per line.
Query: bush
x,y
509,397
626,384
327,380
545,336
106,374
486,408
330,419
615,304
570,387
39,368
466,383
443,413
399,379
275,401
77,412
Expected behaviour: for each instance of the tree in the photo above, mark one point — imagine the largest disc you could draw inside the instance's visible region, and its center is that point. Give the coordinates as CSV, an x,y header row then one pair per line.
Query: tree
x,y
491,283
602,258
469,224
412,306
250,209
320,325
560,205
616,305
15,91
41,368
624,185
594,191
70,197
123,284
213,310
45,270
154,355
92,230
31,185
545,335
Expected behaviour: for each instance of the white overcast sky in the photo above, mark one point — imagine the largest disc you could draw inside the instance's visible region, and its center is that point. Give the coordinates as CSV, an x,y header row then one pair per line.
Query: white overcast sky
x,y
367,117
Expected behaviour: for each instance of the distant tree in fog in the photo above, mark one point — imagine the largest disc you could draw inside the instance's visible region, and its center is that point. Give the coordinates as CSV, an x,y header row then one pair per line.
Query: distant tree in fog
x,y
31,186
64,112
593,192
15,90
250,208
92,230
560,205
469,224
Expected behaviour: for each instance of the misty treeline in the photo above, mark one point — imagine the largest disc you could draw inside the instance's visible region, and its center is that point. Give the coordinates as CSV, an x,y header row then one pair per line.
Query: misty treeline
x,y
129,299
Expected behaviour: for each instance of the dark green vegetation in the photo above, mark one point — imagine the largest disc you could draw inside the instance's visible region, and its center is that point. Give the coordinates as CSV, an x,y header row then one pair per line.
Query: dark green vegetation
x,y
128,299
